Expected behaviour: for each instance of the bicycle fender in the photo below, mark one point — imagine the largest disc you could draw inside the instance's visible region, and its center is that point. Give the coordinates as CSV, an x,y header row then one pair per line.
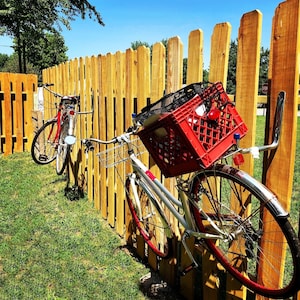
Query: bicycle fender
x,y
262,191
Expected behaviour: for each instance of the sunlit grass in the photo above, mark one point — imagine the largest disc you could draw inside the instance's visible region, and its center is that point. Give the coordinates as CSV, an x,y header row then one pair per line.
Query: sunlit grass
x,y
53,248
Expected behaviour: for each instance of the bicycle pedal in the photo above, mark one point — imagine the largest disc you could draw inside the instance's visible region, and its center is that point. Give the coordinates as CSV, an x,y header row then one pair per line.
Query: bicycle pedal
x,y
188,269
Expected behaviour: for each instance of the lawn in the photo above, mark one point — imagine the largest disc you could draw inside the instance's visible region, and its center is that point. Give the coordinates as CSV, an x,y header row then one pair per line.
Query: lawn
x,y
53,248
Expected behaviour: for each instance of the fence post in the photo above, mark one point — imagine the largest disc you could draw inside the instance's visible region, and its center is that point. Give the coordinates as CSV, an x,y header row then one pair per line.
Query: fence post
x,y
284,76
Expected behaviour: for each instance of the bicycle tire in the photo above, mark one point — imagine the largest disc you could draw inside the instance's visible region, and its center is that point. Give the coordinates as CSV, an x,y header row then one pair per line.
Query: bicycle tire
x,y
150,219
63,150
44,146
255,266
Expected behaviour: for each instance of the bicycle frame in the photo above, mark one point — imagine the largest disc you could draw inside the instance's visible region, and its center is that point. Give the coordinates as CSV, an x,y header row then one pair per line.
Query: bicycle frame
x,y
171,202
66,111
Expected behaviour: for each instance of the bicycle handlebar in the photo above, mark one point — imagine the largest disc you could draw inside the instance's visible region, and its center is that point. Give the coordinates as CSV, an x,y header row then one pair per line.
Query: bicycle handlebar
x,y
254,150
124,137
46,85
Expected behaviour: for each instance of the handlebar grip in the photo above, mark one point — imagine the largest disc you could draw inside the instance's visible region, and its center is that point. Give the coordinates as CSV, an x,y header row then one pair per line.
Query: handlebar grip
x,y
48,84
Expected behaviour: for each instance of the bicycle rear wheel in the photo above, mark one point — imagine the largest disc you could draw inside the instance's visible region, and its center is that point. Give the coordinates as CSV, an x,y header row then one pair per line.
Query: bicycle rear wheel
x,y
148,215
44,144
63,150
262,250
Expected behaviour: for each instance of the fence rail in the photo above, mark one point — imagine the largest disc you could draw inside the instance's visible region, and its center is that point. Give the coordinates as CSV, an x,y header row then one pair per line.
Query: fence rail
x,y
116,85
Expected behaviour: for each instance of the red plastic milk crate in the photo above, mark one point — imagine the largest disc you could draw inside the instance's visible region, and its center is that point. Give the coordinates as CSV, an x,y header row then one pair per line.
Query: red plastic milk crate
x,y
195,134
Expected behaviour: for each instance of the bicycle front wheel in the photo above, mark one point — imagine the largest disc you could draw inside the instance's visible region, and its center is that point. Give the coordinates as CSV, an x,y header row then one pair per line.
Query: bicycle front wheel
x,y
148,215
261,249
63,150
44,144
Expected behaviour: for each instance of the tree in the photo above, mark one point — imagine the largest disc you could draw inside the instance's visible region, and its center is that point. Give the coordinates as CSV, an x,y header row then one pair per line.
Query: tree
x,y
3,59
11,65
263,68
136,44
231,76
29,21
47,52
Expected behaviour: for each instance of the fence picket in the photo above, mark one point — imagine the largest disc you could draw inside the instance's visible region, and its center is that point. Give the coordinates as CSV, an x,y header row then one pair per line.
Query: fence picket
x,y
120,116
220,45
195,57
284,76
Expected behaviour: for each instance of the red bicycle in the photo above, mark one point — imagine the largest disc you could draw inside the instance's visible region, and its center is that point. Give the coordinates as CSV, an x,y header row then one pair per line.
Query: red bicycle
x,y
55,138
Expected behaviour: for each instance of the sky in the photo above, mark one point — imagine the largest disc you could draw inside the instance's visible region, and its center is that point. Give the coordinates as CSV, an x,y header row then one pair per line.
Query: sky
x,y
153,21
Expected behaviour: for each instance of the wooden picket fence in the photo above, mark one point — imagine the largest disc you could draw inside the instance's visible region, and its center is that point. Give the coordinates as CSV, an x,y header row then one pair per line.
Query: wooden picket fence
x,y
17,92
116,85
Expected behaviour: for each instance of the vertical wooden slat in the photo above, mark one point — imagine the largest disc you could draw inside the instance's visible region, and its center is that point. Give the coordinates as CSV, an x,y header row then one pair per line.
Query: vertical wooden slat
x,y
102,133
2,119
18,120
219,56
158,84
284,76
30,88
130,92
194,74
143,76
87,118
96,168
120,115
248,59
220,45
195,57
175,64
8,115
168,267
110,115
174,83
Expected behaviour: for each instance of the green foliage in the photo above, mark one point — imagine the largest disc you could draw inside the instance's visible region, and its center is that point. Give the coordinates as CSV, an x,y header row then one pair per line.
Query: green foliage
x,y
263,69
29,22
136,44
11,65
48,51
3,59
231,76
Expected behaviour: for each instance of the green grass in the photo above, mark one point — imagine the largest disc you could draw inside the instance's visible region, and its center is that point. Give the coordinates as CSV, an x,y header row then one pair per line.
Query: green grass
x,y
53,248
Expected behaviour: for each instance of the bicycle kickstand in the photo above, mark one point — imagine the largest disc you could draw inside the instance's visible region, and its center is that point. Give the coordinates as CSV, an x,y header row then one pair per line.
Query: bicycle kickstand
x,y
194,264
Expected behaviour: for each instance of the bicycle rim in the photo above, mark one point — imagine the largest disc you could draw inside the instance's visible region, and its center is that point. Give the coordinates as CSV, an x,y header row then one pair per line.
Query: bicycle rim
x,y
63,150
44,144
150,219
262,250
